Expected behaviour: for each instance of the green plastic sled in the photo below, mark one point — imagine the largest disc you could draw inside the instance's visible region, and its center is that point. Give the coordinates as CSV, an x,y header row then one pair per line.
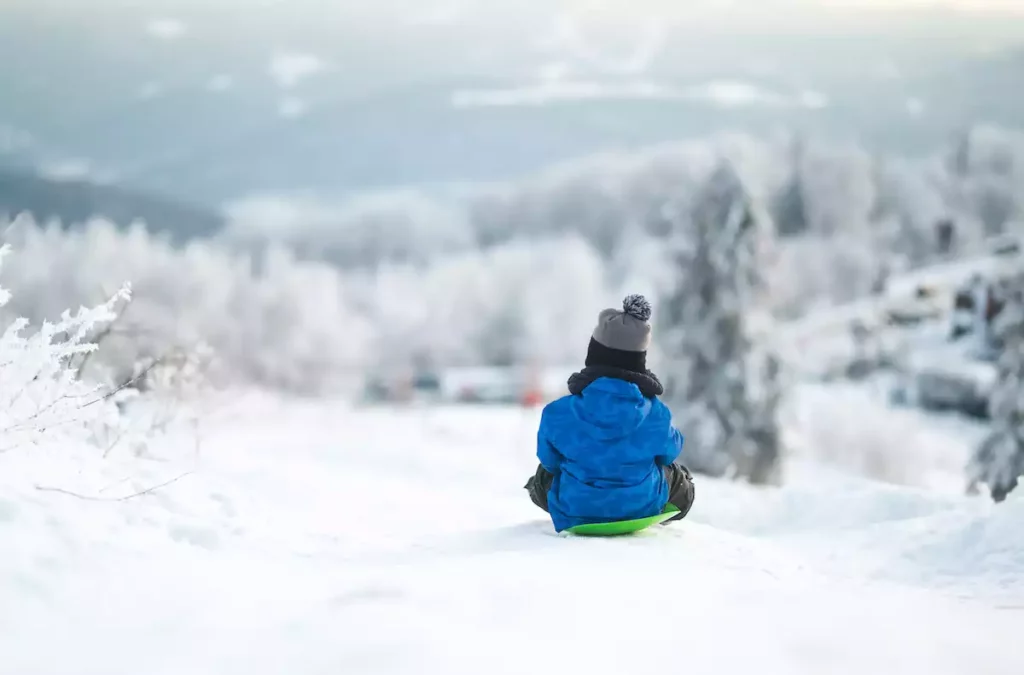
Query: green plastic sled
x,y
619,527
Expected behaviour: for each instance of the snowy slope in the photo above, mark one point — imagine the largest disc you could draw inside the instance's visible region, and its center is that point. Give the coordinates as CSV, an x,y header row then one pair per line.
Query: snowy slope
x,y
316,538
822,340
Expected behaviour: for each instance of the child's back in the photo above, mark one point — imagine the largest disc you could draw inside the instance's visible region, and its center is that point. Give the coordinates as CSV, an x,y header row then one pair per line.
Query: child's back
x,y
607,450
611,445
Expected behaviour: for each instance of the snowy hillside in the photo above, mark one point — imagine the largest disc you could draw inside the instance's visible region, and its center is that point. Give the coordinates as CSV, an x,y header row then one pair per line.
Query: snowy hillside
x,y
359,245
317,538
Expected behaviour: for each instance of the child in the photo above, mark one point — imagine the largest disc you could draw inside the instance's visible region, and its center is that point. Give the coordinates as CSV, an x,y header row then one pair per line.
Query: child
x,y
608,450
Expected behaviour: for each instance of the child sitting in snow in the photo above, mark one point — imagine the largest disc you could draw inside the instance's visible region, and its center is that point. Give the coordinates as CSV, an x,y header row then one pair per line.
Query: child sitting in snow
x,y
608,450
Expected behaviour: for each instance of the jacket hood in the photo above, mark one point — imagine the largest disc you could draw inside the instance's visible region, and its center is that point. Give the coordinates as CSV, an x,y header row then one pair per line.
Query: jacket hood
x,y
610,408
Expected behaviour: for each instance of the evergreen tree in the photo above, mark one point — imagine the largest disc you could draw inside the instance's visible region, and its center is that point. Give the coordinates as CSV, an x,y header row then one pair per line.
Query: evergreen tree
x,y
789,208
998,461
722,387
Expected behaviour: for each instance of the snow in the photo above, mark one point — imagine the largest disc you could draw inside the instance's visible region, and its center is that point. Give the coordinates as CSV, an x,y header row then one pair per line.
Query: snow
x,y
822,338
903,446
554,91
70,169
317,537
554,88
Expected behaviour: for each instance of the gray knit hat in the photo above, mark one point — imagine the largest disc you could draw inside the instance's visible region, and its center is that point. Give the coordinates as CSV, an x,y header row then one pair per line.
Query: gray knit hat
x,y
621,337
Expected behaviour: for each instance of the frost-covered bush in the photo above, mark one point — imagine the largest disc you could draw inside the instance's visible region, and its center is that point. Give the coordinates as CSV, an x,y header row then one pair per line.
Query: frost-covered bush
x,y
269,318
42,398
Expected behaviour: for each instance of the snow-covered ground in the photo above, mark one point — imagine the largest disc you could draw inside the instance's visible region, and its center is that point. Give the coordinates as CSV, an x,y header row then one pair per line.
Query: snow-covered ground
x,y
313,537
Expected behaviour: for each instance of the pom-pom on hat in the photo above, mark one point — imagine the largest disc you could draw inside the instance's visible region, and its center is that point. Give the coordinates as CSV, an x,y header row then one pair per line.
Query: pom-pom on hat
x,y
621,337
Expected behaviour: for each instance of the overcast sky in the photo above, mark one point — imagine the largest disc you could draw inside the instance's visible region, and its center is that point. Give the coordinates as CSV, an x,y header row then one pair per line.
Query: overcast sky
x,y
667,7
932,20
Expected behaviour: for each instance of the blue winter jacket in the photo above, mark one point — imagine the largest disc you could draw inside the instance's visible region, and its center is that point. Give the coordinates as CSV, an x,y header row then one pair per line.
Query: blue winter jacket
x,y
606,447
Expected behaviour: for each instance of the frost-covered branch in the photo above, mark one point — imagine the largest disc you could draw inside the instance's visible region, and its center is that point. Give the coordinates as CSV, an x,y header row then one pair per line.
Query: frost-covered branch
x,y
41,395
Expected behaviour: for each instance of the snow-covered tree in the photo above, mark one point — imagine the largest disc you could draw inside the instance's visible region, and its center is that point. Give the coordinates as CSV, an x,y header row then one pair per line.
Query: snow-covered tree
x,y
309,295
270,319
363,231
986,170
721,385
998,462
909,209
788,207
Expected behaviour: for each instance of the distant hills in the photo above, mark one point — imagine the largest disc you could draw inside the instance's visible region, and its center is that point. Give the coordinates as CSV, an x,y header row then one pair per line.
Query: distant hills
x,y
207,106
75,201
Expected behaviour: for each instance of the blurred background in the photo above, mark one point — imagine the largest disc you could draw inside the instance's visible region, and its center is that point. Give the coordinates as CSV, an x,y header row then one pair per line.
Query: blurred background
x,y
409,201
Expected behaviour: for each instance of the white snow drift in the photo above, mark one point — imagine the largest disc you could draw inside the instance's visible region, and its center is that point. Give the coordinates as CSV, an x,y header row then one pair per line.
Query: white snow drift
x,y
315,538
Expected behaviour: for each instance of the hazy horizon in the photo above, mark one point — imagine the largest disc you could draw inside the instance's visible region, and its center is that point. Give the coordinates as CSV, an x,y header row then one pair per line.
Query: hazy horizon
x,y
210,101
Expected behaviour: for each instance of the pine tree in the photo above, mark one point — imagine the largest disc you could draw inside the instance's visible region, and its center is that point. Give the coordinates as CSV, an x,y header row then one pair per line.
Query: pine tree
x,y
789,208
722,387
998,462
